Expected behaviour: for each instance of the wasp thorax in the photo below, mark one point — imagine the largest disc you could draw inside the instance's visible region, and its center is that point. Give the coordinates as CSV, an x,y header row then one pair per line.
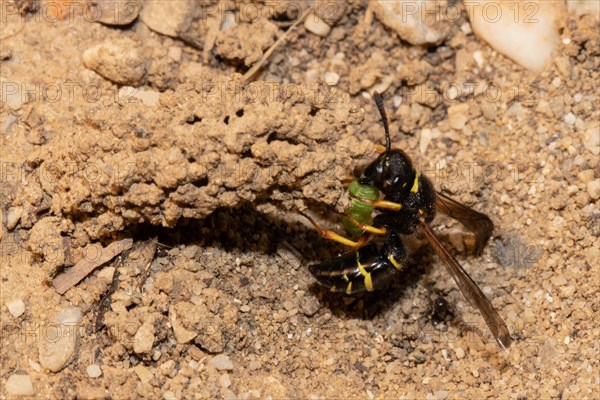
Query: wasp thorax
x,y
391,171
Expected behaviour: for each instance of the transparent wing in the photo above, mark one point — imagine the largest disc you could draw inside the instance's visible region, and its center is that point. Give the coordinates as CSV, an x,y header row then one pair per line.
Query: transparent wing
x,y
470,290
480,224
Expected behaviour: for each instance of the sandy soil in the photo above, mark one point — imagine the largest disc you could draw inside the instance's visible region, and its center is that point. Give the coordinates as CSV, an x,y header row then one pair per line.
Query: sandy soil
x,y
122,132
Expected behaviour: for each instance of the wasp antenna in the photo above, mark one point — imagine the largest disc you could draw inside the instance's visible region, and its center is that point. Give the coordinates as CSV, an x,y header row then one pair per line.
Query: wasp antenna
x,y
384,120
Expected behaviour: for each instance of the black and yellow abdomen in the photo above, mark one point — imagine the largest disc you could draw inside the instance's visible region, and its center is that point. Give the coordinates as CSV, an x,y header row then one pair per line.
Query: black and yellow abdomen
x,y
362,270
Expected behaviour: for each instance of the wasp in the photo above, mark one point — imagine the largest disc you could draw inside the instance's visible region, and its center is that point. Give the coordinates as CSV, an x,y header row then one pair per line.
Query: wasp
x,y
403,200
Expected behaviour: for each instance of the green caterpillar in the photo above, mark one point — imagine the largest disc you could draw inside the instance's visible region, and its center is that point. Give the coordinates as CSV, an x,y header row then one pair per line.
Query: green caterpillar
x,y
360,210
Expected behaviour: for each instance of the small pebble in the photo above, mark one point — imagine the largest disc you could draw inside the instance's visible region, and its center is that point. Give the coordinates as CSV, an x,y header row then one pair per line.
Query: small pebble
x,y
245,308
169,395
154,15
556,82
228,21
225,381
144,338
12,94
316,25
426,136
34,366
570,118
332,78
382,85
466,28
591,141
593,189
70,316
478,57
143,373
16,308
19,385
12,217
310,306
489,110
174,53
530,45
93,371
61,339
221,362
457,114
460,353
119,60
586,176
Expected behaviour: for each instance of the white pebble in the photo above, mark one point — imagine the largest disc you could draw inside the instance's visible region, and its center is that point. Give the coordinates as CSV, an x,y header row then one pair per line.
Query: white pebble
x,y
452,92
425,139
12,217
457,115
591,141
332,78
478,57
577,97
228,21
34,366
70,316
383,85
19,385
221,362
174,53
144,338
466,28
93,371
529,44
61,339
16,308
593,189
570,119
169,395
225,381
316,25
556,82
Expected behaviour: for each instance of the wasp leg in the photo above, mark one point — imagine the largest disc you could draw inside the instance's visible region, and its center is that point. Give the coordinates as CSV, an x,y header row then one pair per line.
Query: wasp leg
x,y
331,235
379,148
366,227
388,205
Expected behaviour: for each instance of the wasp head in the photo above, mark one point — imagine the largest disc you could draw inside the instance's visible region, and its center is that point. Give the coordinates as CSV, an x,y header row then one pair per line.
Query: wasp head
x,y
391,171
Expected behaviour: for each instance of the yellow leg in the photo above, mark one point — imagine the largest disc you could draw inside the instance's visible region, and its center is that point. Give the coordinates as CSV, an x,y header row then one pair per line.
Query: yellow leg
x,y
379,148
388,205
366,227
331,235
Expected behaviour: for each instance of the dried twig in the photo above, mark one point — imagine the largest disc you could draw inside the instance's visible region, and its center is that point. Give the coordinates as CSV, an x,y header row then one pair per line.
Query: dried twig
x,y
86,265
252,71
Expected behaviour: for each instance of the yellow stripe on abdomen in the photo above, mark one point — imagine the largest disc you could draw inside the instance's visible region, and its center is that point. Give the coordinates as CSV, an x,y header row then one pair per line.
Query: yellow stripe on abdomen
x,y
367,275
